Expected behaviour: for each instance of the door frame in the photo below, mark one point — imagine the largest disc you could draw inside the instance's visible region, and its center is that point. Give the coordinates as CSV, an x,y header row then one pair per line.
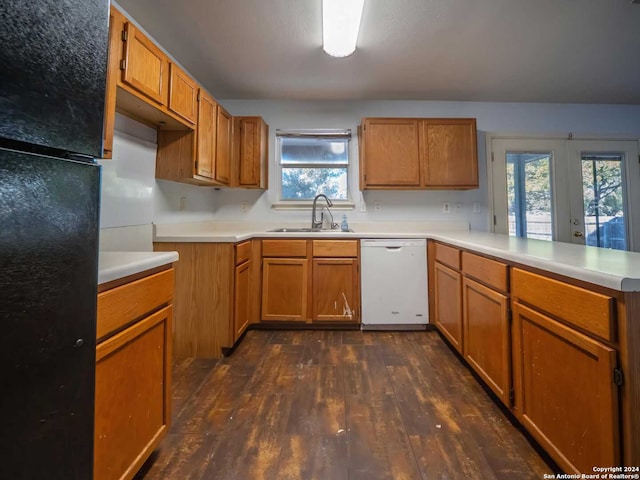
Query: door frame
x,y
562,232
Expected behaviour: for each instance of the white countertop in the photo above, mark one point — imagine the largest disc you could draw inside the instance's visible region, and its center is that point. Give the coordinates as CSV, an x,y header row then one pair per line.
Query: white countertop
x,y
613,269
115,265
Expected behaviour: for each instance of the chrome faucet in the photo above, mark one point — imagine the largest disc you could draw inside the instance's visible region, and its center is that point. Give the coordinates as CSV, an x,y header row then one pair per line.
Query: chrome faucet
x,y
315,223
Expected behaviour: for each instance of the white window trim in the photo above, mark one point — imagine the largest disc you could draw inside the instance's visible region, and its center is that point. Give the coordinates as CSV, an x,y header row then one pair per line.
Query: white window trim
x,y
279,204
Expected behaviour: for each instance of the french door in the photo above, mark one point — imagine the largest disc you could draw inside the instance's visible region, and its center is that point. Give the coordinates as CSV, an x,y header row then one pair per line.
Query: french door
x,y
578,191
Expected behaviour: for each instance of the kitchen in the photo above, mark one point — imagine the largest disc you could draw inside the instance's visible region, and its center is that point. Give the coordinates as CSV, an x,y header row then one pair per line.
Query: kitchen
x,y
134,201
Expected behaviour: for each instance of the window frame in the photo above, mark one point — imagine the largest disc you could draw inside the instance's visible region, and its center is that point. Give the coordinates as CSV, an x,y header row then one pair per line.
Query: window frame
x,y
305,204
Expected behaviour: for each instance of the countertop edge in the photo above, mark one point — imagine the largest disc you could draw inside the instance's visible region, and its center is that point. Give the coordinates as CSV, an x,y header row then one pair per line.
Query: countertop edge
x,y
594,276
116,265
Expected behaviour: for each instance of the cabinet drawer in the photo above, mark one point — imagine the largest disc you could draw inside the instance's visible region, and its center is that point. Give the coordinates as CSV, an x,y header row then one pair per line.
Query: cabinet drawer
x,y
284,248
583,308
488,271
122,305
335,248
448,255
243,252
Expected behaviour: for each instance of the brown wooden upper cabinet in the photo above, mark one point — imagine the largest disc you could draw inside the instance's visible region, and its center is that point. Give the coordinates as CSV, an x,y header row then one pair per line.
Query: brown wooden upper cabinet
x,y
449,153
113,70
144,67
183,94
206,137
210,163
418,153
223,146
390,153
250,152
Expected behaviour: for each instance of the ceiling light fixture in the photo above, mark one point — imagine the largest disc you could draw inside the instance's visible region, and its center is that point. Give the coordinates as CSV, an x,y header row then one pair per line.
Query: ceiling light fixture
x,y
340,26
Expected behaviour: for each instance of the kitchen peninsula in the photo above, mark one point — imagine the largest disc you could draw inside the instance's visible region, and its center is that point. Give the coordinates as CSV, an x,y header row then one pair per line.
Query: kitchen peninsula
x,y
562,318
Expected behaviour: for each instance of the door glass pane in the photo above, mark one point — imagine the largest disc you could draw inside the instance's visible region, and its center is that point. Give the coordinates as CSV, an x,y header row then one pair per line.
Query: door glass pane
x,y
602,189
529,195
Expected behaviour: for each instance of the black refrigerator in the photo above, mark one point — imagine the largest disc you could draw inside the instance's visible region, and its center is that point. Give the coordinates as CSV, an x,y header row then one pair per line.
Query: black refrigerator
x,y
53,60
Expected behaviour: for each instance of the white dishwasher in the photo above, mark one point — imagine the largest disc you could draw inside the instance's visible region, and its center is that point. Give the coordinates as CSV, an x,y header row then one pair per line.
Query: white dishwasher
x,y
394,284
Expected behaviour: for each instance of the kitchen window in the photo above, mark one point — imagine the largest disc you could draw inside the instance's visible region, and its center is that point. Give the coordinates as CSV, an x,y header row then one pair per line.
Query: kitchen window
x,y
311,162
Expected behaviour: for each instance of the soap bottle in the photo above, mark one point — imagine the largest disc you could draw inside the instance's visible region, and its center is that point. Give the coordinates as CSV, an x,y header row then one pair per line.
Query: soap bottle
x,y
344,226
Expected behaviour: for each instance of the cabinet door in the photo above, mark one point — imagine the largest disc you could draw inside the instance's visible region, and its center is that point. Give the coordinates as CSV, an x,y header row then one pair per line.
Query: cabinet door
x,y
335,289
487,345
223,146
133,394
206,147
183,94
250,152
113,68
449,153
146,67
241,299
448,304
285,283
565,394
390,153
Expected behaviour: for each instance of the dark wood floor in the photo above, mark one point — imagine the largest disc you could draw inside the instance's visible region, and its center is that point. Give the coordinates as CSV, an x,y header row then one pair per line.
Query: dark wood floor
x,y
336,405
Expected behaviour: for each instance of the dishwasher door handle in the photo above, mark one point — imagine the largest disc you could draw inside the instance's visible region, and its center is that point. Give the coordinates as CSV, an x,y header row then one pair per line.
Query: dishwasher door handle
x,y
394,248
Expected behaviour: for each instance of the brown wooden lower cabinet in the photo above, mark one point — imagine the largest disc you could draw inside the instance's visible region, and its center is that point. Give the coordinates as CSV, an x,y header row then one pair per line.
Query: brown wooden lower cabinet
x,y
565,393
566,363
212,306
310,281
335,289
133,374
487,336
285,283
448,303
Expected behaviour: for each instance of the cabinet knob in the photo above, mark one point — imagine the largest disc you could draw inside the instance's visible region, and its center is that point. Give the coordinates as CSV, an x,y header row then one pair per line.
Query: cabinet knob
x,y
578,233
78,343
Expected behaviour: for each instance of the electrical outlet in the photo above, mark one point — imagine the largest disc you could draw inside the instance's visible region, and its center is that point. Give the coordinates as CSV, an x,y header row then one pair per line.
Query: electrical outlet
x,y
476,208
457,208
377,206
183,203
244,207
446,208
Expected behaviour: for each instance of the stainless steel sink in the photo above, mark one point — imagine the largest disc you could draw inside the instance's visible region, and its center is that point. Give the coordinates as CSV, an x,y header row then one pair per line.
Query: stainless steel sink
x,y
293,230
305,230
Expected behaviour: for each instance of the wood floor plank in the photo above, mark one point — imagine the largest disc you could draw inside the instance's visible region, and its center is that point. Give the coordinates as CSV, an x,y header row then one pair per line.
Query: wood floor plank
x,y
378,446
269,411
254,457
338,405
188,374
287,337
279,370
359,337
318,404
365,373
313,457
180,456
208,410
321,354
393,347
250,351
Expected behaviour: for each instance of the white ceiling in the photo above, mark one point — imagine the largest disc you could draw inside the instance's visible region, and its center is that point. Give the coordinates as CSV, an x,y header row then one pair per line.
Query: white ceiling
x,y
567,51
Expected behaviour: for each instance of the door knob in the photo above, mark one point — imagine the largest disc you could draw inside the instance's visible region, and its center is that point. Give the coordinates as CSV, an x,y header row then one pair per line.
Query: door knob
x,y
578,233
